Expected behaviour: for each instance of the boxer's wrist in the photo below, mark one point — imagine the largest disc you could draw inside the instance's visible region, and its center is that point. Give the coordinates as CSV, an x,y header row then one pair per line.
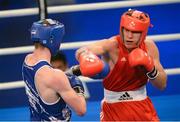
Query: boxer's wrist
x,y
153,74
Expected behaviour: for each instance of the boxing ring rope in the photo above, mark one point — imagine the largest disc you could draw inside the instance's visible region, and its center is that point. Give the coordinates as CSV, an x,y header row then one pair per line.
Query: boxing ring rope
x,y
81,7
84,7
20,84
72,45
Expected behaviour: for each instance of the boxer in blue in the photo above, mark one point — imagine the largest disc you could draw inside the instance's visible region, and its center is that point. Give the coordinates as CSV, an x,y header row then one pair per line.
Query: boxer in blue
x,y
50,91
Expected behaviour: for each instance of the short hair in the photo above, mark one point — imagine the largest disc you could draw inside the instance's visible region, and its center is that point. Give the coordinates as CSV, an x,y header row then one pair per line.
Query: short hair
x,y
60,56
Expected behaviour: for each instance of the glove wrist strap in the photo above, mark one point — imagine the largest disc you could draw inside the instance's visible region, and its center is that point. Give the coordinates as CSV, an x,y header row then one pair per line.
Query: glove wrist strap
x,y
81,94
153,74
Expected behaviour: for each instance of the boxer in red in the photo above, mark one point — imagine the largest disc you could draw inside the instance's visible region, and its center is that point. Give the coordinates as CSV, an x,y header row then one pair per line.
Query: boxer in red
x,y
133,61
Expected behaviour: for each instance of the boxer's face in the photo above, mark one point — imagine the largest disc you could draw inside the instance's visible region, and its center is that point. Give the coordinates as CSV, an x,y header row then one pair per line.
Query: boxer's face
x,y
59,65
131,38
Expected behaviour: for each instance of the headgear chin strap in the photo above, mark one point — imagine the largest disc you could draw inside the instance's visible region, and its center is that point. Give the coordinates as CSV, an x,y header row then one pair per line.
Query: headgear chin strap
x,y
49,33
135,20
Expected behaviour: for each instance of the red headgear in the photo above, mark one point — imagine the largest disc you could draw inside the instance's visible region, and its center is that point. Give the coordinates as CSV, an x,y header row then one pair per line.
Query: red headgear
x,y
134,20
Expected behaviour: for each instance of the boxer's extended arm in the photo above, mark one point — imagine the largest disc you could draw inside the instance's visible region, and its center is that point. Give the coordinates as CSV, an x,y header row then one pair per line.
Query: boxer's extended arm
x,y
96,67
91,65
75,70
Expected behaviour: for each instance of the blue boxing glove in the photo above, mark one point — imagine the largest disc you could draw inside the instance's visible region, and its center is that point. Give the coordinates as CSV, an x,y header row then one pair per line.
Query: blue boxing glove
x,y
74,70
76,83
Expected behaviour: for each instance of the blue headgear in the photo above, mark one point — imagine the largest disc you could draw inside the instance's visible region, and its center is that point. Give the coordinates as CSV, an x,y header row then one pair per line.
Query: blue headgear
x,y
49,33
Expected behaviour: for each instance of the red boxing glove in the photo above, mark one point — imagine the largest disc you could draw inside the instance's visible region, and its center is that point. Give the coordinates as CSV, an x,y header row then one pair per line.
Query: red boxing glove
x,y
138,57
90,64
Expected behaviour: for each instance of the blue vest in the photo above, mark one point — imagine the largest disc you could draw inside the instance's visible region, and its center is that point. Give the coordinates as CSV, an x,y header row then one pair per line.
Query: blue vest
x,y
41,111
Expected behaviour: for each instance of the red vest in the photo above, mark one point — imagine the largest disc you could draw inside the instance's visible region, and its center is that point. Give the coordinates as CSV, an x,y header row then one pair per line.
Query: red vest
x,y
122,77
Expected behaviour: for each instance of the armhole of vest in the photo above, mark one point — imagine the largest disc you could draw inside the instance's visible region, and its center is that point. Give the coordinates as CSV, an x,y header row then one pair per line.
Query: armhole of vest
x,y
38,90
24,63
118,38
144,47
119,48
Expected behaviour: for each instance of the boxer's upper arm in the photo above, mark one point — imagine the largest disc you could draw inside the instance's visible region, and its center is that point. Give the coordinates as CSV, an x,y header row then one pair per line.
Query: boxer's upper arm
x,y
100,47
152,49
61,85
